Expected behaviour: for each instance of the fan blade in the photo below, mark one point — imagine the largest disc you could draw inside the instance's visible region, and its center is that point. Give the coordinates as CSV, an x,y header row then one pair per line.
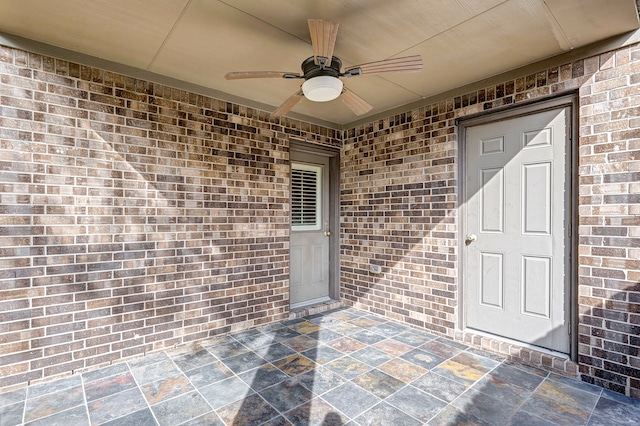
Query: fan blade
x,y
323,39
288,104
258,74
355,103
408,63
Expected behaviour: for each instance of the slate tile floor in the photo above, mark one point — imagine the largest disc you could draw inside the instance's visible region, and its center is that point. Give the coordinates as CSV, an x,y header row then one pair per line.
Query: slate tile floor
x,y
340,367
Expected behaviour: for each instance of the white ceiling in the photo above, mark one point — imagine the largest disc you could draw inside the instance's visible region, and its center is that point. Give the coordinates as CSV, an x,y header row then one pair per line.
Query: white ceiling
x,y
199,41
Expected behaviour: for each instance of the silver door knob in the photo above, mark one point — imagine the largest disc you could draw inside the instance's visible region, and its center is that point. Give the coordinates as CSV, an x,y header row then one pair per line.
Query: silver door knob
x,y
470,238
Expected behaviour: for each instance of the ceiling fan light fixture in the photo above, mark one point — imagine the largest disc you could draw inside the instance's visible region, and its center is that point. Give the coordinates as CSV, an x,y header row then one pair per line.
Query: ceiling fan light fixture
x,y
322,88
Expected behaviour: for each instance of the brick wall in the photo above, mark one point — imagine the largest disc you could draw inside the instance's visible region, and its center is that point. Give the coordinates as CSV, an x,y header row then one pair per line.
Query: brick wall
x,y
398,207
133,216
399,210
610,221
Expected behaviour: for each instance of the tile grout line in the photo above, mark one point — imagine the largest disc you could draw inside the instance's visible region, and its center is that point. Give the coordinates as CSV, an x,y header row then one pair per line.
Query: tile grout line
x,y
197,390
318,343
345,329
24,407
243,381
84,398
149,407
593,410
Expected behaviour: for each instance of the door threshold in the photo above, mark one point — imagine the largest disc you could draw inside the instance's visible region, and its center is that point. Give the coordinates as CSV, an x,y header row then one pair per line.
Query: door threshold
x,y
534,356
315,306
514,342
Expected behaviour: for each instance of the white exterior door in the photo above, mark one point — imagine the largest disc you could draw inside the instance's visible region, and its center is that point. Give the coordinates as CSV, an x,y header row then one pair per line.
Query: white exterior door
x,y
310,228
517,247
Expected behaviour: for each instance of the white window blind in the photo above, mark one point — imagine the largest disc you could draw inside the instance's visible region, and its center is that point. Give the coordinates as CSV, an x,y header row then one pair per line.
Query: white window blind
x,y
305,196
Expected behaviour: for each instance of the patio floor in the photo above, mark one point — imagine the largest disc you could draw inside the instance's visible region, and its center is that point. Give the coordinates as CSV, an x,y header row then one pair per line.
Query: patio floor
x,y
340,367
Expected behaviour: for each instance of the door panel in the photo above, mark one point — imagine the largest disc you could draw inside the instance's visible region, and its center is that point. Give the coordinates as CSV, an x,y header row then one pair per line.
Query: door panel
x,y
536,285
491,285
309,244
492,200
517,249
536,198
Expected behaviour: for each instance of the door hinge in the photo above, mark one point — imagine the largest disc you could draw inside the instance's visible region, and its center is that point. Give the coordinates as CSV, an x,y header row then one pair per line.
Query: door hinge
x,y
569,232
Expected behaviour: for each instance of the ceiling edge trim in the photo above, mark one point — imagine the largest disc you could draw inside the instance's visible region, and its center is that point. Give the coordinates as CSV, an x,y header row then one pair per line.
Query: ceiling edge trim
x,y
593,49
21,43
584,52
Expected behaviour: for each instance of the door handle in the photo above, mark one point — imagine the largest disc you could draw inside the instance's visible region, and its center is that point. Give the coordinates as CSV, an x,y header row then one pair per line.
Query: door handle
x,y
327,233
470,239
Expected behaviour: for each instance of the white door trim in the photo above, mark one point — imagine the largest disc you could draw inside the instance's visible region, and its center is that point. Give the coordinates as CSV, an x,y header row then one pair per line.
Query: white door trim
x,y
566,100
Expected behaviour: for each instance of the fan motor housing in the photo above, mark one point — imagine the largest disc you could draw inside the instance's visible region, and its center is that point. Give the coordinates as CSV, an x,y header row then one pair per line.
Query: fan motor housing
x,y
310,69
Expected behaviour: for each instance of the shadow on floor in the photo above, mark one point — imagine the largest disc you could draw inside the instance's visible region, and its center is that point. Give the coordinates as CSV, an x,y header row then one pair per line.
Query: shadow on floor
x,y
340,367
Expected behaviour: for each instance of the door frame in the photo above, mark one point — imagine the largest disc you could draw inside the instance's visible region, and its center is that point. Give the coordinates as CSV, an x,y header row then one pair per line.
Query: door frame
x,y
333,155
569,100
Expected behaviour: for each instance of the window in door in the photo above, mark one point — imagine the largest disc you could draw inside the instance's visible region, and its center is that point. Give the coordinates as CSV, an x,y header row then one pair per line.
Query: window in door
x,y
306,183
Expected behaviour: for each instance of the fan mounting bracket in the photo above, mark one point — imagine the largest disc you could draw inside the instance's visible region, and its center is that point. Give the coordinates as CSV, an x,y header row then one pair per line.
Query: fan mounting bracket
x,y
322,62
353,72
310,69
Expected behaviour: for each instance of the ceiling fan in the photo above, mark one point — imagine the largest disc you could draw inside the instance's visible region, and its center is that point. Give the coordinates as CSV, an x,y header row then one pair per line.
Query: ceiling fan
x,y
321,72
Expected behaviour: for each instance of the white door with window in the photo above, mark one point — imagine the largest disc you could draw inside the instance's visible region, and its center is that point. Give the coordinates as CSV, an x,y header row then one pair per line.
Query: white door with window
x,y
309,244
517,280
